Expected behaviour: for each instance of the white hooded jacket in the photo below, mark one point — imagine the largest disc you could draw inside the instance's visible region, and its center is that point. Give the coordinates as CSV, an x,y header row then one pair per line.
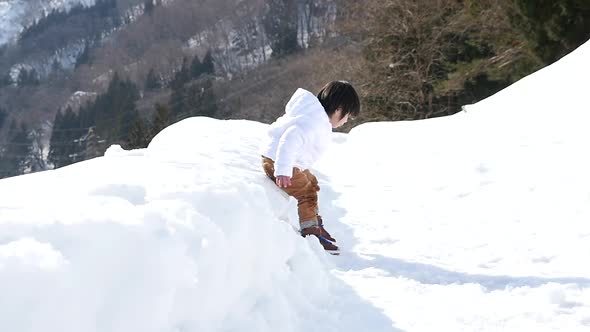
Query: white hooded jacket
x,y
300,136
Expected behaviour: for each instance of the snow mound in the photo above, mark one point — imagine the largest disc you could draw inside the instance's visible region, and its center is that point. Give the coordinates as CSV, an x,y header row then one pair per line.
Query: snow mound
x,y
186,235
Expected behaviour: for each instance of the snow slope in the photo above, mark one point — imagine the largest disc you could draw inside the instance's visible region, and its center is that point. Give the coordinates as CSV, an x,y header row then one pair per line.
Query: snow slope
x,y
473,222
478,221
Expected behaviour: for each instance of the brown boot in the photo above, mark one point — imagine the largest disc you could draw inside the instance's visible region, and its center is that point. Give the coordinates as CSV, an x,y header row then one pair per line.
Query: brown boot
x,y
324,231
317,232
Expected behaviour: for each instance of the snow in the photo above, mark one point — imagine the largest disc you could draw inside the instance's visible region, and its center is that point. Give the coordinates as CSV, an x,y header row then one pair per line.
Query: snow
x,y
473,222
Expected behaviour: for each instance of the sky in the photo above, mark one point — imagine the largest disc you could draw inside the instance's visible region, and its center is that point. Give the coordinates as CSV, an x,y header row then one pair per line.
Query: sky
x,y
472,222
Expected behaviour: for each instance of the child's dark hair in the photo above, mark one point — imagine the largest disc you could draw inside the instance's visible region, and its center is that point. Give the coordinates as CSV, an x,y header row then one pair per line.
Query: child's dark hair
x,y
340,94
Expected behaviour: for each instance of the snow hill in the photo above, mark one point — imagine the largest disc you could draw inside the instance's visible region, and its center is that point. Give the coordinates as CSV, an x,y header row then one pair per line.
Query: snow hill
x,y
473,222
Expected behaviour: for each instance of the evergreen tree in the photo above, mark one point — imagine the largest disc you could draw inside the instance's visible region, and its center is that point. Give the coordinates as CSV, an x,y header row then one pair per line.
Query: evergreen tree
x,y
557,27
23,77
152,81
93,146
161,119
73,133
56,66
185,72
28,77
196,99
207,65
65,145
177,102
87,117
15,155
56,153
186,99
180,92
84,57
206,103
56,70
139,136
36,158
3,116
133,130
34,78
196,67
115,111
193,100
182,76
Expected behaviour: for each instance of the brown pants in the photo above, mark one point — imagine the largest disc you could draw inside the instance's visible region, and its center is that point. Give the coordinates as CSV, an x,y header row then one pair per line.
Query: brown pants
x,y
304,187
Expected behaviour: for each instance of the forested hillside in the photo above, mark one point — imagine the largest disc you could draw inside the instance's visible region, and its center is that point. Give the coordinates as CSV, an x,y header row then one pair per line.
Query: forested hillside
x,y
428,58
119,71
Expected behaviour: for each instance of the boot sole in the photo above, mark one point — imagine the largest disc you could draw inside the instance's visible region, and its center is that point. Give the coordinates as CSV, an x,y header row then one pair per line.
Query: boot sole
x,y
331,251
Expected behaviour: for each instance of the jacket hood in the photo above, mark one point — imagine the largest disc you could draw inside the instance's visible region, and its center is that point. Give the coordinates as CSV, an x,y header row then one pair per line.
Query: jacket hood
x,y
303,104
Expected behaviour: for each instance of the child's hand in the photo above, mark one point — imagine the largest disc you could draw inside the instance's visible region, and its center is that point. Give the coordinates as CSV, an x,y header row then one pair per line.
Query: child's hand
x,y
283,181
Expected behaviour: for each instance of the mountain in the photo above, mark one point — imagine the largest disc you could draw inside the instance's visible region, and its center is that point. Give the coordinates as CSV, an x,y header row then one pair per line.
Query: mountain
x,y
166,51
118,71
18,14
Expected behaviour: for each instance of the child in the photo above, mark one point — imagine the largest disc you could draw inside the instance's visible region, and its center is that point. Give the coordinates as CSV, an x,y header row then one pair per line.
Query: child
x,y
297,139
